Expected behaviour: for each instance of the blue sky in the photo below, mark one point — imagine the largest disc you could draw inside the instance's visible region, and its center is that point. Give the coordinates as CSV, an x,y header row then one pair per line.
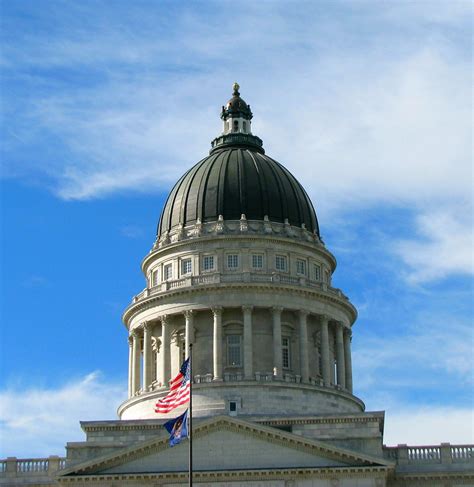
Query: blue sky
x,y
105,104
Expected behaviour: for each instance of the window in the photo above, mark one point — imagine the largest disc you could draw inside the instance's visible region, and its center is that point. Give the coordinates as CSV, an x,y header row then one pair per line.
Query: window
x,y
285,350
280,262
168,272
236,125
186,267
232,406
208,262
154,277
257,261
244,126
234,350
232,261
300,266
316,272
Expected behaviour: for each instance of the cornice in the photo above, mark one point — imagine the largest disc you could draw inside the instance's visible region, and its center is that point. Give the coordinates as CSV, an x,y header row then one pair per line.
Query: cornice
x,y
150,301
380,472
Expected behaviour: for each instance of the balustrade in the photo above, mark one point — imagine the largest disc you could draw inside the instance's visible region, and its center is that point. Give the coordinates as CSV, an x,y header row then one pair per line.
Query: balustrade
x,y
403,454
33,467
231,277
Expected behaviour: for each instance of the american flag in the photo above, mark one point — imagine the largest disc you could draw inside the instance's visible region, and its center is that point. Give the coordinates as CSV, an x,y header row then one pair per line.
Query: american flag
x,y
179,391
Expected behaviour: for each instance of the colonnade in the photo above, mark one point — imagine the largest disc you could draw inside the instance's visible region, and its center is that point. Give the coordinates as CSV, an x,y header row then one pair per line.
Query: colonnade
x,y
335,368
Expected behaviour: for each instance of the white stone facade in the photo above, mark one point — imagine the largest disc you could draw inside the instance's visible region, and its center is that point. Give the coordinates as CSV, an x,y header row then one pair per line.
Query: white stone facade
x,y
258,305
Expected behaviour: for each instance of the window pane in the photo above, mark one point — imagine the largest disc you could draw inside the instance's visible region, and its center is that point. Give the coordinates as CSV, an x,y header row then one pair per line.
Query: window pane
x,y
168,271
234,349
257,261
208,262
317,272
280,262
285,350
232,261
186,266
301,266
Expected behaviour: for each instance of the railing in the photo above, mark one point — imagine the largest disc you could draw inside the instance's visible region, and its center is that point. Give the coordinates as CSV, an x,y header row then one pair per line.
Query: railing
x,y
462,453
237,277
22,467
442,454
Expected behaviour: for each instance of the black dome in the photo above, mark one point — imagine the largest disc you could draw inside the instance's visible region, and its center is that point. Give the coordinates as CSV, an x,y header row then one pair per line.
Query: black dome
x,y
233,180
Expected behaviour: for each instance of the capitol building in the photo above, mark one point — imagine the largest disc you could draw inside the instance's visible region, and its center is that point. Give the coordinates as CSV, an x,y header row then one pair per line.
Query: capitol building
x,y
239,270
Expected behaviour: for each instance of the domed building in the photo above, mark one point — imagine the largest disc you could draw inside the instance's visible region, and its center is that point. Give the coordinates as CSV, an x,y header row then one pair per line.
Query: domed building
x,y
239,271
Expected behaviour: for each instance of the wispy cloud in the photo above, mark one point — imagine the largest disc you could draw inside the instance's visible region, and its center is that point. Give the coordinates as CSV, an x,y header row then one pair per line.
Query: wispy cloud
x,y
387,118
39,421
35,281
444,246
132,231
421,355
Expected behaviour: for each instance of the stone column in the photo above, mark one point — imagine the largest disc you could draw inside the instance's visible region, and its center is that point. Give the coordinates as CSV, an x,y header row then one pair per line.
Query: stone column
x,y
130,365
325,351
303,332
348,359
277,353
135,362
165,350
147,362
332,355
217,343
341,366
189,332
248,347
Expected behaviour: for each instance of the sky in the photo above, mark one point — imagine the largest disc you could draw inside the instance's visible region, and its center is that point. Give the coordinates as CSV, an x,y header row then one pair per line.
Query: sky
x,y
105,104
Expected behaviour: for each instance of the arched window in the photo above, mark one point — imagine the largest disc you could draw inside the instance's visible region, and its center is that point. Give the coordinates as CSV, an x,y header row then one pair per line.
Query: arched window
x,y
236,125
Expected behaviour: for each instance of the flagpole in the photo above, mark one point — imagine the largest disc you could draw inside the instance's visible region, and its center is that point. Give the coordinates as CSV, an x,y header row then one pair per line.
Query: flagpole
x,y
190,415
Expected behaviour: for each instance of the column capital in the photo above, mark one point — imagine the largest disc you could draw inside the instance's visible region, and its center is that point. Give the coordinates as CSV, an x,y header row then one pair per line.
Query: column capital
x,y
135,333
189,313
147,326
303,313
216,310
164,319
325,318
247,308
277,309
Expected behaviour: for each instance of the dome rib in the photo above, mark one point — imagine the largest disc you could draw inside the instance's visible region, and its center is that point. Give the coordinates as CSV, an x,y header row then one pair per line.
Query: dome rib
x,y
237,180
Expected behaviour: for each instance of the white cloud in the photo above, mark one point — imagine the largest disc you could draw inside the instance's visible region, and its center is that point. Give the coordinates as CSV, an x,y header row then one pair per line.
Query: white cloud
x,y
428,425
444,246
438,347
38,422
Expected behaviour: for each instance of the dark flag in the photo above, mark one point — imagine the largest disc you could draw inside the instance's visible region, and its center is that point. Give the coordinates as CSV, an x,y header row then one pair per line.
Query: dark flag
x,y
177,428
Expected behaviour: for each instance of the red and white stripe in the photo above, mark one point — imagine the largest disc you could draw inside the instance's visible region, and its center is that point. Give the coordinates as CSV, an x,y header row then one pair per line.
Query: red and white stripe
x,y
178,395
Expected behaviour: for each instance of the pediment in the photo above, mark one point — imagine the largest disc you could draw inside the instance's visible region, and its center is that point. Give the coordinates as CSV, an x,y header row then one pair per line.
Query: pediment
x,y
221,444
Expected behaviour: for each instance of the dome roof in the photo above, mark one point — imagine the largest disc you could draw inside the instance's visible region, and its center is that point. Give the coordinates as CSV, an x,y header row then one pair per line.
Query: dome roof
x,y
236,179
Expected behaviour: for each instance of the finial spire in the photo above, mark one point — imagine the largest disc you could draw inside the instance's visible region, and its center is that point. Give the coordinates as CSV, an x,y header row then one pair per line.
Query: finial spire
x,y
236,87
